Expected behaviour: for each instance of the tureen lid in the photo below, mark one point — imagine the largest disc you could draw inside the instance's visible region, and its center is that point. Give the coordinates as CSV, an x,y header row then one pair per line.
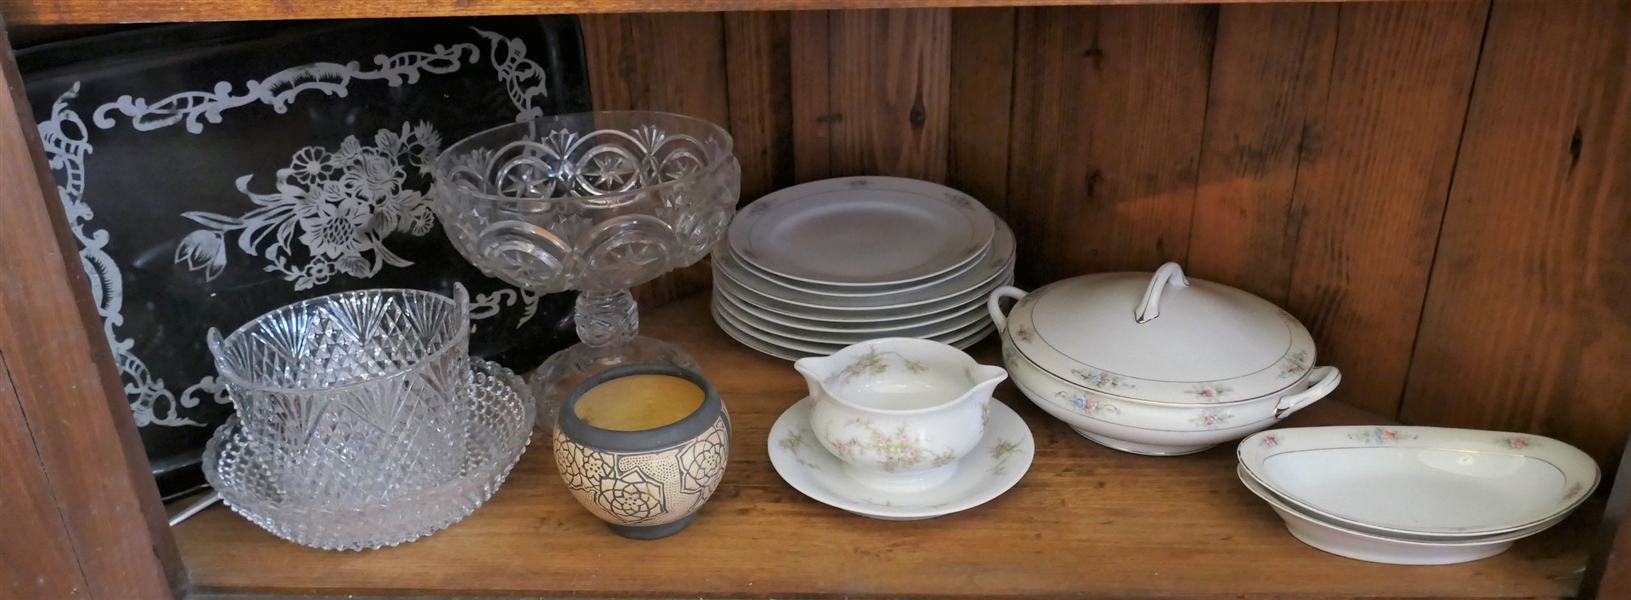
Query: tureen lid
x,y
1161,337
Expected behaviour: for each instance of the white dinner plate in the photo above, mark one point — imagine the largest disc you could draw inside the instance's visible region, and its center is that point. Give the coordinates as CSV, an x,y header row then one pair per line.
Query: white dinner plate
x,y
928,307
966,335
932,331
781,347
862,231
756,344
879,327
1421,480
999,259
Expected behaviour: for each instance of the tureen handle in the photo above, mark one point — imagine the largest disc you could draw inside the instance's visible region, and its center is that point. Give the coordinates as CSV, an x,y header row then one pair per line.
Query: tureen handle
x,y
1150,308
1320,382
994,304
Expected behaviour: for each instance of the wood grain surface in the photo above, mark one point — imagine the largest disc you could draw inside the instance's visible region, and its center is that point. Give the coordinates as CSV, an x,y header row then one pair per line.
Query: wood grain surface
x,y
813,117
63,12
1372,183
1109,105
759,81
890,86
982,102
37,553
1271,69
1085,521
1527,325
62,376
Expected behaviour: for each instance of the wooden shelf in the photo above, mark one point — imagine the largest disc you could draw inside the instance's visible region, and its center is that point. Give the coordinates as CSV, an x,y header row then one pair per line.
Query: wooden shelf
x,y
1085,520
85,12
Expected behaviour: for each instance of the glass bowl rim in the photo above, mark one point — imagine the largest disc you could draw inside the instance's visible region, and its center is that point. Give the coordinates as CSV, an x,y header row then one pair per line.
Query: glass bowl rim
x,y
461,334
726,156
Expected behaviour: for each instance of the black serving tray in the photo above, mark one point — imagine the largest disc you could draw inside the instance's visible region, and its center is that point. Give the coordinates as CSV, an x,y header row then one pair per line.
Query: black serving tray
x,y
213,172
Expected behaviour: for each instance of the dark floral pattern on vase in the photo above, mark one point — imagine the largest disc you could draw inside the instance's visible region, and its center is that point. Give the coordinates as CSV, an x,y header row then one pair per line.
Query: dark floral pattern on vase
x,y
632,497
702,460
581,469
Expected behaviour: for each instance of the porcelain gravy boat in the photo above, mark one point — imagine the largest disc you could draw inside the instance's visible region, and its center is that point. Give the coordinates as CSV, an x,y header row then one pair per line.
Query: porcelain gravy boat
x,y
899,412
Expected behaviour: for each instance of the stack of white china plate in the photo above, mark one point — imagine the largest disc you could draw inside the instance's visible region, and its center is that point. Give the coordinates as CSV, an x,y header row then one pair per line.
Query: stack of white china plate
x,y
1414,495
812,268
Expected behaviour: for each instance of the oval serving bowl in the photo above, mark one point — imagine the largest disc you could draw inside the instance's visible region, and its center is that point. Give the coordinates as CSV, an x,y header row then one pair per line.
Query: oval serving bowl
x,y
1369,547
1448,483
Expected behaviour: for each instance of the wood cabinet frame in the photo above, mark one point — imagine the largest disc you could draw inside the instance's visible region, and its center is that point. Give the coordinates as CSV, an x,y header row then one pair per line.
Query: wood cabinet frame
x,y
81,513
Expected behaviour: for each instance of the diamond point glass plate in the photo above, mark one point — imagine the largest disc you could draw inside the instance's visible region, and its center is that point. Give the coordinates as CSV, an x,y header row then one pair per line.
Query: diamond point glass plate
x,y
497,431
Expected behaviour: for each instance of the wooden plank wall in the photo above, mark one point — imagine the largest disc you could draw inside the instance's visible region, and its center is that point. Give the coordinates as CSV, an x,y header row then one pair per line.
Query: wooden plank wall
x,y
1440,191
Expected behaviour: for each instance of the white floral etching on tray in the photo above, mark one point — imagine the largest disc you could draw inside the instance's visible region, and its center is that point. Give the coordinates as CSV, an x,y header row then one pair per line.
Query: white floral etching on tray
x,y
336,205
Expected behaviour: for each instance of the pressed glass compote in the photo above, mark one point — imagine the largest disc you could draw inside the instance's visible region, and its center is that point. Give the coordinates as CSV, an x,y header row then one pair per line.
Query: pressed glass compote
x,y
595,202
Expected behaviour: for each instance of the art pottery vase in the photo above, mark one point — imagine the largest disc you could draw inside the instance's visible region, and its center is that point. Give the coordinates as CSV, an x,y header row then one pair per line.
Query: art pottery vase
x,y
645,483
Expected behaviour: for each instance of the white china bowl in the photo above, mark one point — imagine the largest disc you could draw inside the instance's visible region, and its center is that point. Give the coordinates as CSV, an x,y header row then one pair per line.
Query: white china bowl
x,y
1374,548
899,412
1423,482
1156,428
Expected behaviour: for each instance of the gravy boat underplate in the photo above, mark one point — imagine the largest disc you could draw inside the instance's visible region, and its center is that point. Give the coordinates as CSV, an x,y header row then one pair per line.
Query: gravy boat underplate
x,y
899,412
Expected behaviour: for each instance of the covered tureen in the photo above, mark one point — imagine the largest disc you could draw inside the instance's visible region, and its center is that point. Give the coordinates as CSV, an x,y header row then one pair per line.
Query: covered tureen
x,y
1158,363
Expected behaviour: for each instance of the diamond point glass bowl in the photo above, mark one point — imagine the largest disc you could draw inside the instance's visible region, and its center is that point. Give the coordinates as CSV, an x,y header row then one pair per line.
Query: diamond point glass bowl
x,y
594,202
355,395
497,432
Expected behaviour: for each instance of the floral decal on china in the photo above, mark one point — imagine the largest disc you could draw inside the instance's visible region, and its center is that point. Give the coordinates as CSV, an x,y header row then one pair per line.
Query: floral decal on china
x,y
793,443
1270,441
1100,380
1088,404
1024,334
1574,491
1209,392
1212,419
874,363
896,449
1001,451
1379,435
1516,442
1295,364
328,213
